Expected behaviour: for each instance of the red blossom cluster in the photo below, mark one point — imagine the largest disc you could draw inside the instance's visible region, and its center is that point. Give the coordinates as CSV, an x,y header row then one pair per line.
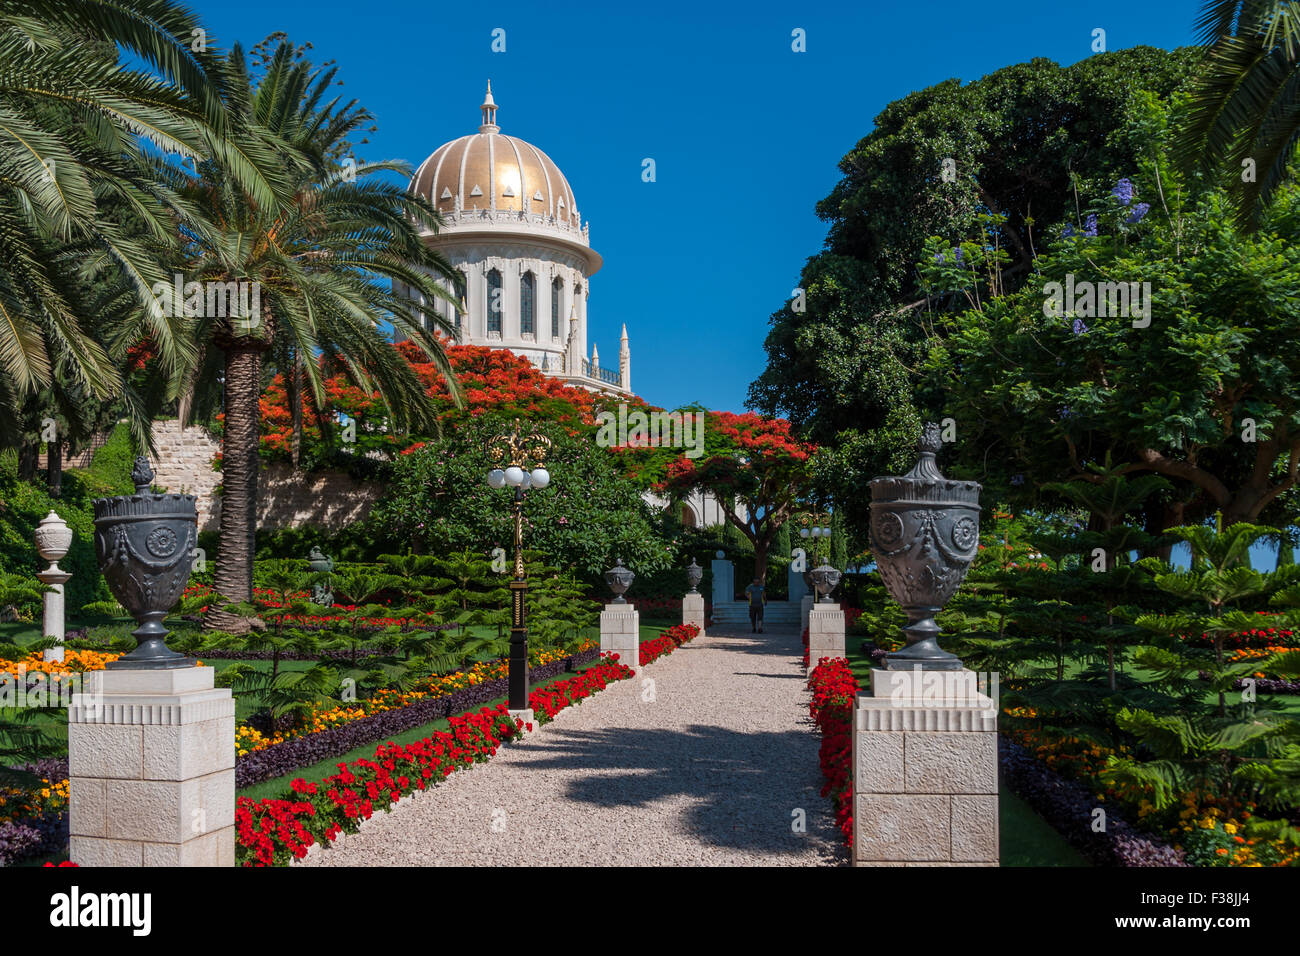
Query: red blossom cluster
x,y
549,701
833,689
758,434
671,639
491,380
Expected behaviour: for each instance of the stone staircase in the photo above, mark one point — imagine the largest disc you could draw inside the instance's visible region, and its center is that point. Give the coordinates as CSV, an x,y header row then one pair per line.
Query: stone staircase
x,y
777,614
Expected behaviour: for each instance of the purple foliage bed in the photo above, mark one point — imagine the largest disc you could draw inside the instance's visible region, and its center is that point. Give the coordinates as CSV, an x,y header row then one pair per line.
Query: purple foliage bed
x,y
1068,806
280,759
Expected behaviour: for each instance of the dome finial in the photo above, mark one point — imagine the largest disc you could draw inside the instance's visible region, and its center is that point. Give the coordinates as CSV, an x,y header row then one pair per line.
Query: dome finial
x,y
489,112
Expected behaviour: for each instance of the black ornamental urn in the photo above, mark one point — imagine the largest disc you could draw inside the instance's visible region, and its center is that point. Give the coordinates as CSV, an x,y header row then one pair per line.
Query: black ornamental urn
x,y
824,579
144,544
924,533
619,579
694,575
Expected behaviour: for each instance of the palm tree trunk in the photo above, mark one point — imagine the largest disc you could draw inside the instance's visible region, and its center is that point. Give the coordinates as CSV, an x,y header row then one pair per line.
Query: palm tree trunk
x,y
295,404
233,576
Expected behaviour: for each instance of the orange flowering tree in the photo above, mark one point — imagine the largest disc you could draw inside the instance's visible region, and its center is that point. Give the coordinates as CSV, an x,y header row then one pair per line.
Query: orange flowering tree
x,y
492,381
753,462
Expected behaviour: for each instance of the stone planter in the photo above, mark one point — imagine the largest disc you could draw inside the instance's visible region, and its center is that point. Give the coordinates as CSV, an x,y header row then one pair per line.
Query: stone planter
x,y
924,533
144,544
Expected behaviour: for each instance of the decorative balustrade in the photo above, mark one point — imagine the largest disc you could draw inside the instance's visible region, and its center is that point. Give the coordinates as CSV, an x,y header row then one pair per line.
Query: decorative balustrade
x,y
608,376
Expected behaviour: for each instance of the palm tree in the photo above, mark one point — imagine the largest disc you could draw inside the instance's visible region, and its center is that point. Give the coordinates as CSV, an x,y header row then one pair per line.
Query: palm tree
x,y
72,122
320,268
1244,115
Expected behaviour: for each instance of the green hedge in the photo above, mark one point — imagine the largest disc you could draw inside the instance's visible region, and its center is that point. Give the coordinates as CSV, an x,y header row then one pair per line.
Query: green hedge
x,y
23,505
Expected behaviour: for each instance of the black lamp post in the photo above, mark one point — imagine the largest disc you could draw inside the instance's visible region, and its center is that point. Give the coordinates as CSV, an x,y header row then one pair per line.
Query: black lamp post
x,y
524,454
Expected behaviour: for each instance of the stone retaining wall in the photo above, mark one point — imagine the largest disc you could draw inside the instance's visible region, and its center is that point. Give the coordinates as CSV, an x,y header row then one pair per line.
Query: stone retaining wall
x,y
286,499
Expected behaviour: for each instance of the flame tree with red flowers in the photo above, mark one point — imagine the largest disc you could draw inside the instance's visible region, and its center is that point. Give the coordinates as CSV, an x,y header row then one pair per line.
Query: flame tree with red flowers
x,y
751,464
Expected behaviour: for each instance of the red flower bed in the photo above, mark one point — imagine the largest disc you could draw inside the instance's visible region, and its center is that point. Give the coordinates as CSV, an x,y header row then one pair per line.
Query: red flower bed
x,y
667,642
833,689
271,832
549,701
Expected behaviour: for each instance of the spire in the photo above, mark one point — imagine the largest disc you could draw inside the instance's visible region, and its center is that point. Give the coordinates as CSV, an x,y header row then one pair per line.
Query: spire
x,y
624,362
489,113
595,358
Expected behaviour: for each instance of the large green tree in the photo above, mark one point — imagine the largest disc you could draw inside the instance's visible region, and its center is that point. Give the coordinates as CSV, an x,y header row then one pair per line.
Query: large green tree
x,y
439,501
992,161
1200,384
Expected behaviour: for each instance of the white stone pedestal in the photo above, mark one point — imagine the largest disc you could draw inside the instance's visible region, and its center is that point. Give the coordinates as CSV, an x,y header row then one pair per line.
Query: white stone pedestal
x,y
620,633
693,610
925,771
151,766
825,633
805,608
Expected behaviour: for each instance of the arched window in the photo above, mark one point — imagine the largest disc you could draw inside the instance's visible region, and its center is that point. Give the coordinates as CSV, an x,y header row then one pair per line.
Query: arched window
x,y
557,293
495,305
527,304
688,516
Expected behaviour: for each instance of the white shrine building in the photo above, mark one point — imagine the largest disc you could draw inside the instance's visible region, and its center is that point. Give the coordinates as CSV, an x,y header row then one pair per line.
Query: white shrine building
x,y
513,228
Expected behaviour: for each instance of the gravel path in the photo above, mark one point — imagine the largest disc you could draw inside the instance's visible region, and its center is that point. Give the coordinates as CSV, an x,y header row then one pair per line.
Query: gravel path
x,y
704,766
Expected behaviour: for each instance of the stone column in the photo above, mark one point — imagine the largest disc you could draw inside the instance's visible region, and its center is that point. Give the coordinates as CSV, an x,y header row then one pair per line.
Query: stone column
x,y
925,771
825,633
693,610
151,766
794,581
724,581
53,539
620,633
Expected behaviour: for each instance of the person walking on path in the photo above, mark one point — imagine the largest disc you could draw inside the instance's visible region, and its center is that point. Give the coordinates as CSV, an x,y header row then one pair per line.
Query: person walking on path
x,y
756,601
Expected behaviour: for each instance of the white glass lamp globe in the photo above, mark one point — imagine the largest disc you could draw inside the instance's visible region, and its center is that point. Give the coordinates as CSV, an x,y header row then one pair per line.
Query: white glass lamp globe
x,y
526,481
496,478
803,532
514,476
541,477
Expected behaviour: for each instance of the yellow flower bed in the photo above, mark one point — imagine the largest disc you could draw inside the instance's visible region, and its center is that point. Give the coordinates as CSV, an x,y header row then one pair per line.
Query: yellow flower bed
x,y
74,662
53,797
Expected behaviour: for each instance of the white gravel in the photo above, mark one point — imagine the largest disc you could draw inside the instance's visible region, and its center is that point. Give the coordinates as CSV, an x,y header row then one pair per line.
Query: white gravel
x,y
701,761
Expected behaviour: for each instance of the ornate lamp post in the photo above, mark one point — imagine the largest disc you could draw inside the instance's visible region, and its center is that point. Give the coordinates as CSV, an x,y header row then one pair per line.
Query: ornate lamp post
x,y
817,527
823,578
523,453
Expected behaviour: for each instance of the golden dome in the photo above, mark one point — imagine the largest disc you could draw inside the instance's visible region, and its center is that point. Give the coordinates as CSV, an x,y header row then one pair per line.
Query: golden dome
x,y
488,170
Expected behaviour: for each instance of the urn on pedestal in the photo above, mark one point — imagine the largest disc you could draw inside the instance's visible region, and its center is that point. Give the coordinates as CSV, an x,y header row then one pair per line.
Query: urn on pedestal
x,y
694,575
924,533
145,545
619,579
825,579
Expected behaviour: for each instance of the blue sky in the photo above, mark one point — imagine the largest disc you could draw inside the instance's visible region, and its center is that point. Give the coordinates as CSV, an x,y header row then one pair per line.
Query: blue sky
x,y
744,132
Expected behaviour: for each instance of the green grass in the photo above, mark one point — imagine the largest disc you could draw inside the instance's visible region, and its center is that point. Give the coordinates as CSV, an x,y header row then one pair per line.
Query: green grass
x,y
1026,839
